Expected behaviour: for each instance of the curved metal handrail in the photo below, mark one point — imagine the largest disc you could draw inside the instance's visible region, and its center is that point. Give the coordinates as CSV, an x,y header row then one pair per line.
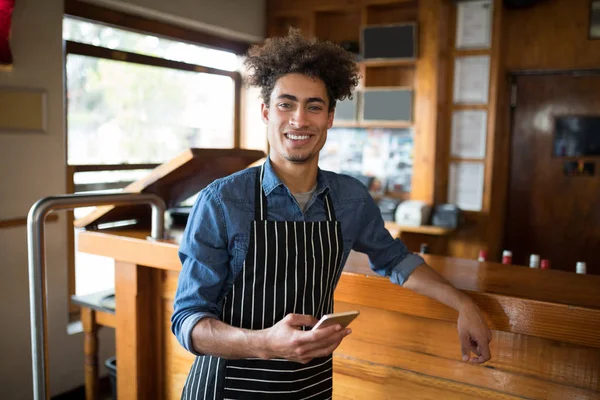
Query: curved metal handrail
x,y
37,267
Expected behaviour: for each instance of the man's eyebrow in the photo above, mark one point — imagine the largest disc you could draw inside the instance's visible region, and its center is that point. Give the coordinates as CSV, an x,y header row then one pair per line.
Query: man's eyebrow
x,y
316,100
294,98
287,96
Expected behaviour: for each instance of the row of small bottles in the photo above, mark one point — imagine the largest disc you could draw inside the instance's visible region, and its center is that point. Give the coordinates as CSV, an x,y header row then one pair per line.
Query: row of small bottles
x,y
534,261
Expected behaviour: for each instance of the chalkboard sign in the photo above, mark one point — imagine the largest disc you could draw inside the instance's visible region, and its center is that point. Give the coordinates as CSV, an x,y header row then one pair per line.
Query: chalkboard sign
x,y
397,41
387,105
346,110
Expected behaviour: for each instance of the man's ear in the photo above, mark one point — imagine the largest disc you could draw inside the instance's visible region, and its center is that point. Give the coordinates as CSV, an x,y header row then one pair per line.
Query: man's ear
x,y
264,113
330,118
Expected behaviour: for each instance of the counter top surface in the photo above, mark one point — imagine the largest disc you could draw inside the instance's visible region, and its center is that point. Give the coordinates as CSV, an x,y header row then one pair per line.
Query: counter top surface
x,y
550,286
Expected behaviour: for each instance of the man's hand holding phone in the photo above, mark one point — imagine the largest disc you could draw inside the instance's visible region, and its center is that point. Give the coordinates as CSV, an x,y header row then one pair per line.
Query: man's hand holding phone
x,y
286,339
343,319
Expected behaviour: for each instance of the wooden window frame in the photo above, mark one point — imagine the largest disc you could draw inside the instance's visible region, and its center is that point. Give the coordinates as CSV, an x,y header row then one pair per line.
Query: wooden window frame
x,y
101,15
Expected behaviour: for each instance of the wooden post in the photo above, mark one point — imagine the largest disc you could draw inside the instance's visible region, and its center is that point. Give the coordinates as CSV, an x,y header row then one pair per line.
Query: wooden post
x,y
428,179
90,347
137,351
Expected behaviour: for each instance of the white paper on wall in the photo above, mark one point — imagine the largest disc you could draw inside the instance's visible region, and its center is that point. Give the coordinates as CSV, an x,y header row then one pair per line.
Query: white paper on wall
x,y
469,128
465,185
474,25
471,79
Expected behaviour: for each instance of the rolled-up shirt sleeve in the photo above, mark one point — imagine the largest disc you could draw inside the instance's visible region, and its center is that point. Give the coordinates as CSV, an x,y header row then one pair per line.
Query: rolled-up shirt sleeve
x,y
204,257
387,256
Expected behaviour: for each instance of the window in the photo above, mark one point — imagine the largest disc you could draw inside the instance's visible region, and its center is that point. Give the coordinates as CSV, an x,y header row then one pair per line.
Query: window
x,y
95,34
134,101
121,111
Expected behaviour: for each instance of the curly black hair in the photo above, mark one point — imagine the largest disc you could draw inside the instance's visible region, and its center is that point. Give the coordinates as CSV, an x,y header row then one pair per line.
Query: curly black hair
x,y
279,56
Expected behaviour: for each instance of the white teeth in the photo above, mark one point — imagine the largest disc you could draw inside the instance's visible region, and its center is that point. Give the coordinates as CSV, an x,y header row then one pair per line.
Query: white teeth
x,y
294,137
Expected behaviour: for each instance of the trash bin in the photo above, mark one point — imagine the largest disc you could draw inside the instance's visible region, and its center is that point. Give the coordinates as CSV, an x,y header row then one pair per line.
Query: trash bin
x,y
111,365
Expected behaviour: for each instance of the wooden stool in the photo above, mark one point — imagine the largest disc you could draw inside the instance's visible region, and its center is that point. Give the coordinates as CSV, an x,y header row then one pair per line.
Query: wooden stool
x,y
93,316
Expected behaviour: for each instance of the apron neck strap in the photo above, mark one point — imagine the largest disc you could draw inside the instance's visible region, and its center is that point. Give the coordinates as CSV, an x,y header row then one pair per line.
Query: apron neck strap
x,y
329,207
260,200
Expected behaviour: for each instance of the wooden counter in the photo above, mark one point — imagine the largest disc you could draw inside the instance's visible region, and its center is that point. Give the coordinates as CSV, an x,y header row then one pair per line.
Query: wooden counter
x,y
546,329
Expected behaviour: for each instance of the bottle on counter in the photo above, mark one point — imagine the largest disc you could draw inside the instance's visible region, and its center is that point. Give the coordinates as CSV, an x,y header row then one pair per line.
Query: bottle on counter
x,y
424,248
534,261
581,267
545,264
507,257
482,256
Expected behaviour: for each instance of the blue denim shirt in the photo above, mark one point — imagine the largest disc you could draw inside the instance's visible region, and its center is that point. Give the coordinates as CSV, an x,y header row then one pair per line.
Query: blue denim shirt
x,y
215,241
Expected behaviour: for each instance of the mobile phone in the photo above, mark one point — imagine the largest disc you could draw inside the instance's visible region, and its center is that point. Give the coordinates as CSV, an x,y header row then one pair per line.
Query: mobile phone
x,y
343,319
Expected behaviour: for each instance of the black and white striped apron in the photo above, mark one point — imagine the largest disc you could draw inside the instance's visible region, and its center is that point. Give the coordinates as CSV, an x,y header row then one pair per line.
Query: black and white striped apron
x,y
290,267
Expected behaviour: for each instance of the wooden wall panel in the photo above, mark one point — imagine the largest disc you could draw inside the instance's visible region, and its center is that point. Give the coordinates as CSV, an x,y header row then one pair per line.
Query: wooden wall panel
x,y
382,76
551,35
430,101
392,13
483,230
541,195
338,26
281,25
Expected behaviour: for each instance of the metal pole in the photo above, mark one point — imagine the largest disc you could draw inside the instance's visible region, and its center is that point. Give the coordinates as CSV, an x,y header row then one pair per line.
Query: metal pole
x,y
37,268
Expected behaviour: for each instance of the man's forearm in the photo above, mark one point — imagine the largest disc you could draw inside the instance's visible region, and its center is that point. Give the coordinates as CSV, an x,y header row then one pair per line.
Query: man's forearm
x,y
213,337
472,329
424,280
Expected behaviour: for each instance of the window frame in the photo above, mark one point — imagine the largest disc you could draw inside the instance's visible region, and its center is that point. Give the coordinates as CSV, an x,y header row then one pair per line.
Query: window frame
x,y
120,20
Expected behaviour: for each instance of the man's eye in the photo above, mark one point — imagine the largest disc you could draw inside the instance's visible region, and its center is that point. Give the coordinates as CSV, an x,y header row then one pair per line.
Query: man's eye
x,y
284,105
315,108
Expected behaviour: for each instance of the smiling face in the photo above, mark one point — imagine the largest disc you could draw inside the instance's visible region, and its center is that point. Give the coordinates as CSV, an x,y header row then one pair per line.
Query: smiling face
x,y
298,118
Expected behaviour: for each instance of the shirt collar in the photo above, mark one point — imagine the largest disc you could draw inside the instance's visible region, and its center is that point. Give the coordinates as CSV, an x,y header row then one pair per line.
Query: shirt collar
x,y
271,180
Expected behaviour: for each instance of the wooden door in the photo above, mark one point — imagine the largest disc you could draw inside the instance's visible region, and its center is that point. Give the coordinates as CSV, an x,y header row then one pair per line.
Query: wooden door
x,y
549,213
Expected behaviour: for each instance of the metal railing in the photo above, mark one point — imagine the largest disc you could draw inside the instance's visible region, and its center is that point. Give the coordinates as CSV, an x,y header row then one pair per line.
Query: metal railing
x,y
37,267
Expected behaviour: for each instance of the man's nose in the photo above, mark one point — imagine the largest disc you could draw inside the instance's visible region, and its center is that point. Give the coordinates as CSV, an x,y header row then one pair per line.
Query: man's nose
x,y
299,119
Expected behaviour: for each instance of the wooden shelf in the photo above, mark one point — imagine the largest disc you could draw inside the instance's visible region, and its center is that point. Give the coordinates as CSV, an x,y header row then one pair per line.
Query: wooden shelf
x,y
388,75
388,63
396,229
453,159
380,88
471,52
391,12
467,107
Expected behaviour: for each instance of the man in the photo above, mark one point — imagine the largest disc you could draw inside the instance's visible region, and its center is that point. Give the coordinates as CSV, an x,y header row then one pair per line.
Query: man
x,y
264,248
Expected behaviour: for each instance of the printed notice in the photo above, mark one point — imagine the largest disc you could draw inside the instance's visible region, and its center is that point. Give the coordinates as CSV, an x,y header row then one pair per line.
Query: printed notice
x,y
471,79
469,134
465,185
473,25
